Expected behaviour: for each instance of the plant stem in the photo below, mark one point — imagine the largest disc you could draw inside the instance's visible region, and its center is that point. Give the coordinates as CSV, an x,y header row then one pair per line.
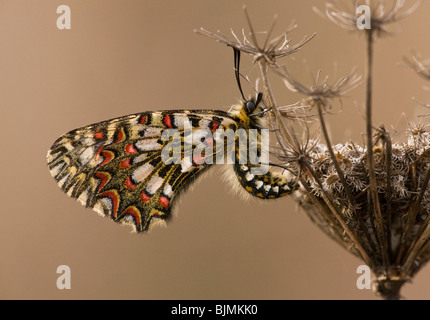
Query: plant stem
x,y
389,289
274,107
388,154
382,239
338,215
425,229
326,214
333,156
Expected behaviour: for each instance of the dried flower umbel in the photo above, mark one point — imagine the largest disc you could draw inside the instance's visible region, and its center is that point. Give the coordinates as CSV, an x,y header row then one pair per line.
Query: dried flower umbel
x,y
372,199
420,65
384,13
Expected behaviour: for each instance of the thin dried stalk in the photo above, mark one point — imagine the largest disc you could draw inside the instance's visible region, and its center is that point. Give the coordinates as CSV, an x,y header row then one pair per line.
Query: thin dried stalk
x,y
362,197
332,155
338,215
371,166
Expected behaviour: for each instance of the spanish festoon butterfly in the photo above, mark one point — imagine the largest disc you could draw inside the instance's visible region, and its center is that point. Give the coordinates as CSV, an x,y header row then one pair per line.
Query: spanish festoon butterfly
x,y
116,168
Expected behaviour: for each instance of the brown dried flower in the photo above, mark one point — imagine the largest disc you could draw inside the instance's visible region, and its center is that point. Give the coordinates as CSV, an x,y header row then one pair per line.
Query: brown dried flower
x,y
420,65
373,200
321,91
382,14
271,50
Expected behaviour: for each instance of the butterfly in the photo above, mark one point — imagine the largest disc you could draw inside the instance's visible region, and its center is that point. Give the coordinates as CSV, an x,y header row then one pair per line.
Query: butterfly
x,y
116,167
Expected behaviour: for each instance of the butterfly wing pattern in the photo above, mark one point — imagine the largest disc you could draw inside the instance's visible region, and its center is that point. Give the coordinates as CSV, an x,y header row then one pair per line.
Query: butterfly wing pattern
x,y
115,167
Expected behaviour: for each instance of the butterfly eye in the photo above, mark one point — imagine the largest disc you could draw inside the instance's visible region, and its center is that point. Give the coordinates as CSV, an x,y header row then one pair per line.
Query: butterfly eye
x,y
250,105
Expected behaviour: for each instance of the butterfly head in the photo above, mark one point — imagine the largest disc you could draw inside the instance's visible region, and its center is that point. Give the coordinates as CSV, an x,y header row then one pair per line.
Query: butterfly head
x,y
251,105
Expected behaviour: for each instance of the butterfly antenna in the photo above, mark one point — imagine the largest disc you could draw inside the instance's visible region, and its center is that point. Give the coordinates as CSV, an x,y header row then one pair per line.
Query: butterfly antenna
x,y
237,74
236,70
259,98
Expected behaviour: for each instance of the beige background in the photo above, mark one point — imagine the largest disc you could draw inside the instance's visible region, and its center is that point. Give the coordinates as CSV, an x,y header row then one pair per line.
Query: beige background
x,y
122,57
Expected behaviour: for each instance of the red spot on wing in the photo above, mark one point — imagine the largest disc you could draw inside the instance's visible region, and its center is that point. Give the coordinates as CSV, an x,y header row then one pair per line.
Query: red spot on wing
x,y
164,202
107,156
215,126
145,197
198,159
104,177
99,135
98,153
142,120
119,135
125,164
130,148
209,141
134,212
129,184
167,121
113,196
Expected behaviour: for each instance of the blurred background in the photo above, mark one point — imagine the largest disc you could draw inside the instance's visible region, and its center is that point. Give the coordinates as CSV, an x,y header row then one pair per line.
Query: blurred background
x,y
123,57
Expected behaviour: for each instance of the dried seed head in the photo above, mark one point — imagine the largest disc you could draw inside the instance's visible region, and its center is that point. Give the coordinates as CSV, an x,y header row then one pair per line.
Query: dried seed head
x,y
321,91
419,65
383,13
402,177
271,50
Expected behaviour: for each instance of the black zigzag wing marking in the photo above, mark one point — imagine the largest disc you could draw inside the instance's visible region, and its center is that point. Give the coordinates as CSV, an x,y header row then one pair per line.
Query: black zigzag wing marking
x,y
115,166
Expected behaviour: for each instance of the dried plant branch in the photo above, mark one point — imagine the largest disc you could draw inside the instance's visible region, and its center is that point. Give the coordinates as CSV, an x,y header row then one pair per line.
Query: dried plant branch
x,y
386,139
332,155
414,211
382,14
336,212
419,65
371,166
371,199
271,51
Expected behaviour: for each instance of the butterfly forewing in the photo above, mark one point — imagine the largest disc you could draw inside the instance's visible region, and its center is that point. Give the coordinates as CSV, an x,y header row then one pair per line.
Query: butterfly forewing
x,y
116,166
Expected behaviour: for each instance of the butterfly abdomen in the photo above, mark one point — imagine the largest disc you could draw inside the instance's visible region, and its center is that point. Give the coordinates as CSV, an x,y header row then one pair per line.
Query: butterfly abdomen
x,y
263,184
266,186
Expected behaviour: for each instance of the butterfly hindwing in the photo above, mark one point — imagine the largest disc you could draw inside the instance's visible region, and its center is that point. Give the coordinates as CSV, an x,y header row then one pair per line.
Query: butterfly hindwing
x,y
116,166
